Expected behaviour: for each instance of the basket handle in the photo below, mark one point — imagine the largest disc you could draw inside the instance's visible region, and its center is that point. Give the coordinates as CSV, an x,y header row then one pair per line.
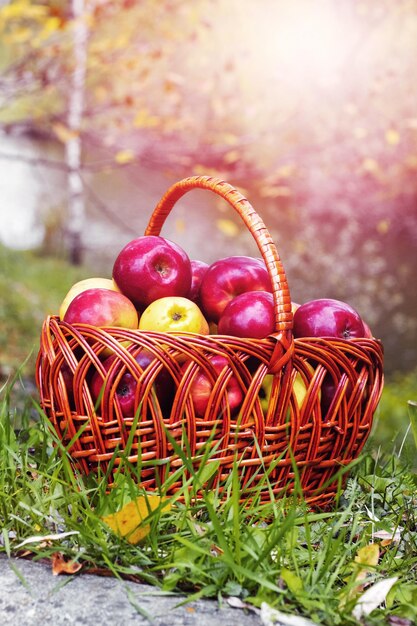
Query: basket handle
x,y
280,290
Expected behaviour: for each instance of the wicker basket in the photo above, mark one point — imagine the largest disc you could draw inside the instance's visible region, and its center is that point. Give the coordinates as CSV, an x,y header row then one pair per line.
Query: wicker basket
x,y
314,440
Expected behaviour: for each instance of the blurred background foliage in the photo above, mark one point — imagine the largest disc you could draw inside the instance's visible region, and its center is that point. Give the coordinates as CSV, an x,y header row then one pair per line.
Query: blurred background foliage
x,y
309,108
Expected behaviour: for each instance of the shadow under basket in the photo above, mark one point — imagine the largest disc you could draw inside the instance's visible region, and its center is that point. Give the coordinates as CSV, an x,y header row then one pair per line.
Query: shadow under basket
x,y
307,404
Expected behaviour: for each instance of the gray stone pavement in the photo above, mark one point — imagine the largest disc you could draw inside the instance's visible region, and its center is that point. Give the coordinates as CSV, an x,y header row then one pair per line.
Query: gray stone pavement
x,y
30,595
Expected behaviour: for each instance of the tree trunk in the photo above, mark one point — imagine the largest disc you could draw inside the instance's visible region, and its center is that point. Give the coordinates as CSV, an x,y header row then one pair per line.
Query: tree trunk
x,y
73,151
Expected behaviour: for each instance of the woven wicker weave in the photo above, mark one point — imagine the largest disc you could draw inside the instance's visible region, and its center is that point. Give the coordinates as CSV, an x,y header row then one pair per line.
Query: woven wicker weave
x,y
281,440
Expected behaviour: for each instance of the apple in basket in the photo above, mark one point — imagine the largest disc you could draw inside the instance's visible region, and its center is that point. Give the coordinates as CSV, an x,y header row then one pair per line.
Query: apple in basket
x,y
151,267
299,389
83,285
368,332
126,388
102,307
249,314
227,278
326,317
174,314
198,270
202,386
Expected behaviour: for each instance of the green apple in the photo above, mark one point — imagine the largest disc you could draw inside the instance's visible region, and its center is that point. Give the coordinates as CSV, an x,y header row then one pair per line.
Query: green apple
x,y
83,285
174,314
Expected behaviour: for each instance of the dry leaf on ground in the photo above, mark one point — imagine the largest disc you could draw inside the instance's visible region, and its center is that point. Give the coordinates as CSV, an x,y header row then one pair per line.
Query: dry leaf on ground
x,y
61,565
128,522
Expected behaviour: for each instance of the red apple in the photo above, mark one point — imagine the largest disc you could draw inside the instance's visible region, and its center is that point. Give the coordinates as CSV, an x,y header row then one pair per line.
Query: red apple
x,y
328,391
227,278
250,314
102,307
198,270
327,318
68,378
368,331
152,267
126,389
202,386
83,285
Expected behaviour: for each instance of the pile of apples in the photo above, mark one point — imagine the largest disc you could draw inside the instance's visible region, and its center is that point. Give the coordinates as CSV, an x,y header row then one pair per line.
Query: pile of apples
x,y
156,287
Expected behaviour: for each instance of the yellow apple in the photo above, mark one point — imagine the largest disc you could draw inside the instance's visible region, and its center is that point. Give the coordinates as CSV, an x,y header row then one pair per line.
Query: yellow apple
x,y
299,389
83,285
174,314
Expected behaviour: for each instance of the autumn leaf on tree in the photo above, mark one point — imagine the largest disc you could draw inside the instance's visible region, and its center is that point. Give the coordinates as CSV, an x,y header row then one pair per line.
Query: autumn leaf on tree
x,y
124,156
227,227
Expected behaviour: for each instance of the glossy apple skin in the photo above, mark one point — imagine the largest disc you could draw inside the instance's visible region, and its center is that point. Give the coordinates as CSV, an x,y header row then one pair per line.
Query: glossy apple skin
x,y
83,285
299,390
126,389
326,317
250,314
328,392
68,379
368,331
102,307
198,271
202,387
229,277
151,267
174,314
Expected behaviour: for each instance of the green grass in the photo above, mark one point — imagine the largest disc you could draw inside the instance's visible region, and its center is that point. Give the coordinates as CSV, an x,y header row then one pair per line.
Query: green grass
x,y
296,560
31,288
392,422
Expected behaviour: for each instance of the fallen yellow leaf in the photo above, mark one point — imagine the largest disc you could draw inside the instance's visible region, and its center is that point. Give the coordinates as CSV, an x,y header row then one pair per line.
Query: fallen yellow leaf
x,y
227,227
232,156
392,137
230,139
128,522
143,119
383,226
365,561
180,225
370,166
24,10
368,555
64,133
275,191
124,156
